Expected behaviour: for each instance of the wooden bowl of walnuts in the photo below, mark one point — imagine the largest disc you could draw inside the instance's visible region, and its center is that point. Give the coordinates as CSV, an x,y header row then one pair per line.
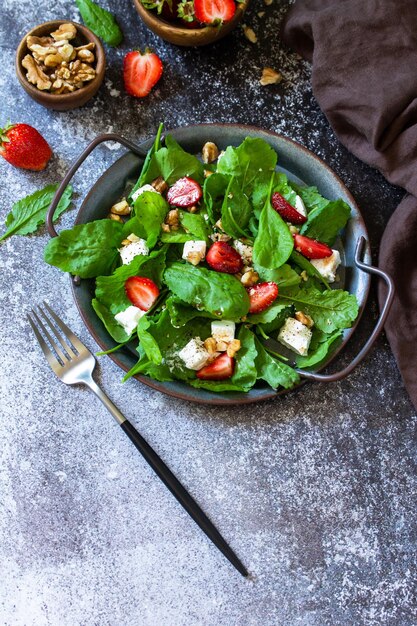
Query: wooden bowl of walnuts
x,y
60,64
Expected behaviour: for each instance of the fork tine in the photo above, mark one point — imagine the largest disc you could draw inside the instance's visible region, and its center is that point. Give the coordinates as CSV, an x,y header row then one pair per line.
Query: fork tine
x,y
50,357
78,345
68,349
53,343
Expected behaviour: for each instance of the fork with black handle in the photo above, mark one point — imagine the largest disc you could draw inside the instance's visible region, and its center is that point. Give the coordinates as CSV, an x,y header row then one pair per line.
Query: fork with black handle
x,y
73,363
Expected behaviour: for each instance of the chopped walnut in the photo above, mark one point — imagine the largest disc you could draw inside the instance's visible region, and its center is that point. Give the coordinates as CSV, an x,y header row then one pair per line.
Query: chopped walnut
x,y
35,75
210,345
173,217
67,52
220,237
249,278
85,55
210,152
293,229
192,209
304,276
121,208
159,185
65,31
233,347
115,218
221,346
305,319
166,228
249,34
126,242
194,258
270,77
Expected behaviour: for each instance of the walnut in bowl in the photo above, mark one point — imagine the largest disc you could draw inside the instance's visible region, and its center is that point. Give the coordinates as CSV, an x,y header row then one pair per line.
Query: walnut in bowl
x,y
60,64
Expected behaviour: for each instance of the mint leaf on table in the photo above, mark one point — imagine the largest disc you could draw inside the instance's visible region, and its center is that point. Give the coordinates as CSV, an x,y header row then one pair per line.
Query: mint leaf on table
x,y
236,211
331,310
274,242
101,22
219,294
319,348
172,163
251,163
324,223
29,213
272,371
86,250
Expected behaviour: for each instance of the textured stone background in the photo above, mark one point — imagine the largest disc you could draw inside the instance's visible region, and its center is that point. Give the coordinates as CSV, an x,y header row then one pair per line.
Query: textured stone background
x,y
316,491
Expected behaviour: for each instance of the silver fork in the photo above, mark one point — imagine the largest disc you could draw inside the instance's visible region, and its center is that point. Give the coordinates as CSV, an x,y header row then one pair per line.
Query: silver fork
x,y
73,363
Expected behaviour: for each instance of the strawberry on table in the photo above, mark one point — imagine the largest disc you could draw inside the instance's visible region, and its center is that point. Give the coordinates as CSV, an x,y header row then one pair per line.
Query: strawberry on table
x,y
184,193
141,72
214,11
23,146
141,291
261,296
311,248
286,210
220,369
223,258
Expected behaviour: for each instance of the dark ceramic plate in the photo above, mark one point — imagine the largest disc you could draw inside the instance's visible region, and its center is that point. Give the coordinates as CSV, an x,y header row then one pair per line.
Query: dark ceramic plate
x,y
299,163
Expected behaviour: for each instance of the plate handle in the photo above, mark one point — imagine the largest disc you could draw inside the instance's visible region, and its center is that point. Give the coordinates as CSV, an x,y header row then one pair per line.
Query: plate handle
x,y
369,269
74,167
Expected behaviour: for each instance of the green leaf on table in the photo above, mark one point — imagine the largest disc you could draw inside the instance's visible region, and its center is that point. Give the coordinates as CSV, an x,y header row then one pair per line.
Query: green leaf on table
x,y
86,250
172,163
250,163
319,348
29,213
324,223
273,371
219,294
236,211
331,310
101,22
149,212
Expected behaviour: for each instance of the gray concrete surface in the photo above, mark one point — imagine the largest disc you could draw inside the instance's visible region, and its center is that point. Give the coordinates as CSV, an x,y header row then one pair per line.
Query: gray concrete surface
x,y
316,492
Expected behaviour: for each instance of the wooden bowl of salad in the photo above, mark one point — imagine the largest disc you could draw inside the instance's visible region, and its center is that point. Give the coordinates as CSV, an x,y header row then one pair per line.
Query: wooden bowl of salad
x,y
191,22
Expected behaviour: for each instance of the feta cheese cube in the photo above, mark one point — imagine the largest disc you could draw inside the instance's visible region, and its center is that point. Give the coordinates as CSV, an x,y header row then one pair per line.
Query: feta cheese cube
x,y
194,251
328,266
223,330
142,190
244,251
194,355
295,336
128,253
300,206
129,318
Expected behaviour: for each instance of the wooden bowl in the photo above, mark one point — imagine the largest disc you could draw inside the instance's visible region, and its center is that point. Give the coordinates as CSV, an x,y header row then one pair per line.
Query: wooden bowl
x,y
65,101
189,36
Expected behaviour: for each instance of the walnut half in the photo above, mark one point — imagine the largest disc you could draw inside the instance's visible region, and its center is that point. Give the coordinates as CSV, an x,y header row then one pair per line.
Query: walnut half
x,y
35,75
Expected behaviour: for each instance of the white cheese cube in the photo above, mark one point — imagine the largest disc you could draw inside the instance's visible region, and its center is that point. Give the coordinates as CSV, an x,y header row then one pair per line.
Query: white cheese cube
x,y
194,354
328,266
300,206
142,190
194,251
129,318
128,253
244,251
223,330
295,336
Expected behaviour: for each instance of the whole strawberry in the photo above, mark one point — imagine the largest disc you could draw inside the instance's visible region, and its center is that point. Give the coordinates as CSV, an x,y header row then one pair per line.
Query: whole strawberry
x,y
22,146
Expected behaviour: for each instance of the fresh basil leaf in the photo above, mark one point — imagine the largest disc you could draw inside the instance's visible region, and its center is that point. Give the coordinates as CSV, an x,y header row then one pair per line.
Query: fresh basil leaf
x,y
305,265
115,330
319,348
273,371
155,146
196,224
172,163
251,163
214,190
101,22
148,341
325,223
331,310
274,242
29,213
150,210
181,313
219,294
236,211
86,250
283,276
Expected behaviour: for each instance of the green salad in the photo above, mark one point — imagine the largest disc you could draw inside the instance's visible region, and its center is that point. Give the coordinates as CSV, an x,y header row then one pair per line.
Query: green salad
x,y
207,260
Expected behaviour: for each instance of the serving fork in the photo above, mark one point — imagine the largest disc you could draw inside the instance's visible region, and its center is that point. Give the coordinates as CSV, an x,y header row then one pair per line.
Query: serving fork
x,y
73,363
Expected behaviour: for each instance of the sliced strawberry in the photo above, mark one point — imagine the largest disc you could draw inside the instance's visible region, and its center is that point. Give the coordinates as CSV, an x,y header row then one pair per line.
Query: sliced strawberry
x,y
214,11
141,72
311,248
221,368
184,193
286,210
141,291
223,258
262,296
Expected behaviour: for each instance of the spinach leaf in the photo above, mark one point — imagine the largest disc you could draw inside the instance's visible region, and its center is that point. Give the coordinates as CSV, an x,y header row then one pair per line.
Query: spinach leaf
x,y
219,294
214,190
113,328
319,348
87,250
148,341
269,315
251,162
176,236
181,313
310,196
196,224
101,22
273,371
284,276
172,163
155,146
236,211
331,309
325,223
29,213
305,265
274,242
150,210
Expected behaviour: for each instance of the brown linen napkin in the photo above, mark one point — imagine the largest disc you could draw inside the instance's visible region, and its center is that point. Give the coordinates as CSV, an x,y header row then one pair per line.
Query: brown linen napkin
x,y
364,76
